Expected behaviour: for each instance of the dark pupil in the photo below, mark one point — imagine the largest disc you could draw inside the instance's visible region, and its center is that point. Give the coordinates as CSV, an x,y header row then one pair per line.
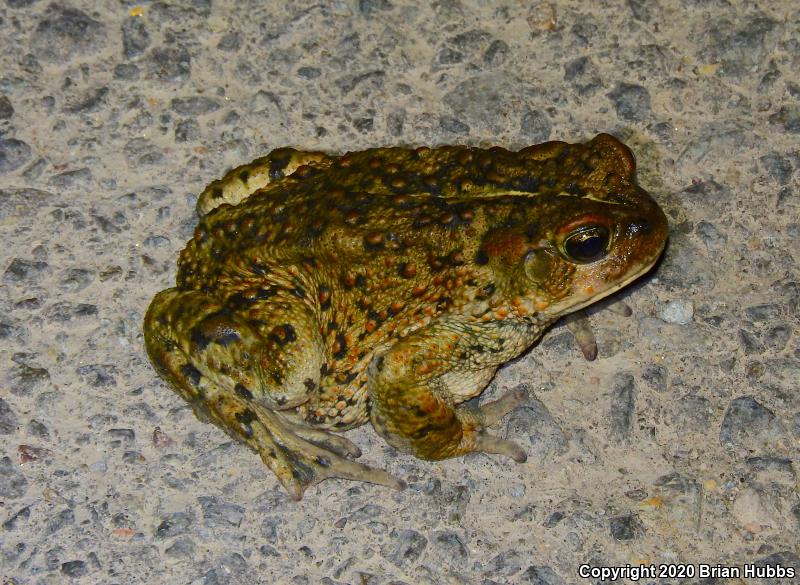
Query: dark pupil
x,y
587,245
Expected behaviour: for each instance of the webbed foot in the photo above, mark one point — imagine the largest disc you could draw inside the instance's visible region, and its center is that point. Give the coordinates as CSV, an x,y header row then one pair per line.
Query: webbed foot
x,y
302,456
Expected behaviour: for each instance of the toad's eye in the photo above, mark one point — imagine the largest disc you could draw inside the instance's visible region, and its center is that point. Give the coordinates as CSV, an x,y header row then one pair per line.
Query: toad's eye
x,y
587,244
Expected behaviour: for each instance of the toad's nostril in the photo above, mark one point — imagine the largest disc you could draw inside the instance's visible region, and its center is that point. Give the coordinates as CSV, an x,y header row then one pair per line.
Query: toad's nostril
x,y
638,226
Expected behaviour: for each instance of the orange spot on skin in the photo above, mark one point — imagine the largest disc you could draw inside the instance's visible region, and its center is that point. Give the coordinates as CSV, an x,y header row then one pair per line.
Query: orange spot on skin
x,y
506,245
541,305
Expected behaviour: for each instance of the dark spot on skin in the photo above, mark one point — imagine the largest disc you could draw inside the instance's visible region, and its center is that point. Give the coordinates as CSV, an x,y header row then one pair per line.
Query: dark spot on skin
x,y
406,270
324,296
436,263
244,176
191,373
278,164
379,364
481,258
323,369
301,470
243,298
278,379
423,431
322,461
361,281
246,416
242,391
527,184
456,258
422,221
443,303
316,228
332,325
486,291
477,348
283,334
341,345
531,230
216,193
299,292
259,269
562,156
310,384
373,241
198,338
340,424
281,400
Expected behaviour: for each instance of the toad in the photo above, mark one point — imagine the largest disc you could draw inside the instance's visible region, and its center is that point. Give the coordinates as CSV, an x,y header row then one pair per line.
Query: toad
x,y
321,292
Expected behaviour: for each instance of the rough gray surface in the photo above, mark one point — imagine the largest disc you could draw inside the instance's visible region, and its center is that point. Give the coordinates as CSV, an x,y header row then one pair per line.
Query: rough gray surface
x,y
679,444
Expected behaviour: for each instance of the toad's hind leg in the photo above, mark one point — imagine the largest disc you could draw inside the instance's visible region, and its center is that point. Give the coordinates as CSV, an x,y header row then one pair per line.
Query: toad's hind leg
x,y
416,386
241,182
208,354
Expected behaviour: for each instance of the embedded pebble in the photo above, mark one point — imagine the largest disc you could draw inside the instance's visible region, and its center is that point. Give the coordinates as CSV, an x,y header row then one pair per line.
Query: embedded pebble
x,y
622,406
219,513
533,426
135,37
541,575
170,64
535,126
13,154
678,311
404,547
750,426
64,33
6,109
632,102
8,420
625,527
12,483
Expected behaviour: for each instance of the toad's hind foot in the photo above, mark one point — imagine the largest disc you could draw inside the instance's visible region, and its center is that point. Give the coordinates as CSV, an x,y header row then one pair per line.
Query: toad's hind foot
x,y
302,456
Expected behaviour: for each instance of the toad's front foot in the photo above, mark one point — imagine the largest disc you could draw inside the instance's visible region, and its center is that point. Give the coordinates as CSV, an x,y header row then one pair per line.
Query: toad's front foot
x,y
492,412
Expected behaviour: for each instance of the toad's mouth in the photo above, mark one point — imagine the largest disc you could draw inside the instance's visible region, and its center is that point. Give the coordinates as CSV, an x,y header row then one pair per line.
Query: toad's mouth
x,y
567,307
